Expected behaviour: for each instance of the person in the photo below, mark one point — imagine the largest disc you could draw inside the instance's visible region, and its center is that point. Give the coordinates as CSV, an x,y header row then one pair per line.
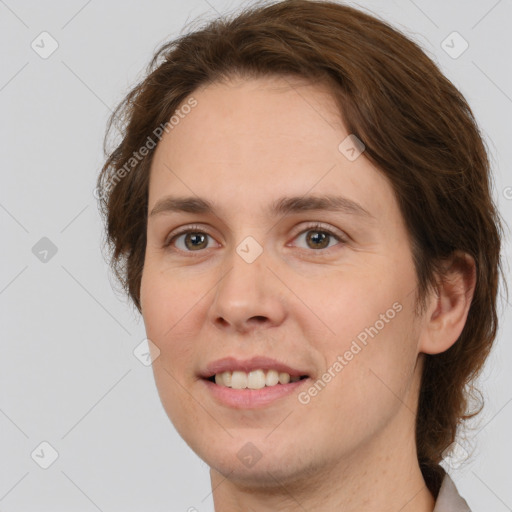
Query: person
x,y
300,208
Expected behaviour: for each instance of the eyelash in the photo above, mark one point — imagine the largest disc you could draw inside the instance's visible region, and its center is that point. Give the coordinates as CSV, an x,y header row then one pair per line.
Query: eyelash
x,y
198,229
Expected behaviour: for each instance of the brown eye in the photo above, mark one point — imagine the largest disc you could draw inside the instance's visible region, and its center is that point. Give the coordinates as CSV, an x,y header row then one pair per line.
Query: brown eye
x,y
317,239
190,241
195,241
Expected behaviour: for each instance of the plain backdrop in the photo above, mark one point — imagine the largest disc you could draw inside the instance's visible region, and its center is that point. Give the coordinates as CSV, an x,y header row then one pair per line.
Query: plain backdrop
x,y
69,375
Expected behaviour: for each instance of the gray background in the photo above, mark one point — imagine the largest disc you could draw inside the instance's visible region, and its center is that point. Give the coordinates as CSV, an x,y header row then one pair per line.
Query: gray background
x,y
68,373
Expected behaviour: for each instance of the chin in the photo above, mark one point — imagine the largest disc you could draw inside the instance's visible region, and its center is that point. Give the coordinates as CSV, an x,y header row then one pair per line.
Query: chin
x,y
248,463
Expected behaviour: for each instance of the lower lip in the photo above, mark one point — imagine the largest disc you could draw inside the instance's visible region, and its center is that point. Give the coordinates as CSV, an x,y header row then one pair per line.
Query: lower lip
x,y
251,398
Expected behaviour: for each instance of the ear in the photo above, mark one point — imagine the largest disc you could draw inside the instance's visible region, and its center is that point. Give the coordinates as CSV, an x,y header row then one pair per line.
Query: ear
x,y
448,307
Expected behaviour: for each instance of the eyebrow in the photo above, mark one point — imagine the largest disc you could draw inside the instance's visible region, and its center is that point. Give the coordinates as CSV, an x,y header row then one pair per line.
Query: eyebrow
x,y
282,206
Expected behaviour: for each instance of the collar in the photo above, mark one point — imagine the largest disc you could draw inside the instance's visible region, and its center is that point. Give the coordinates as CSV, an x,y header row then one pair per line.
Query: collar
x,y
449,499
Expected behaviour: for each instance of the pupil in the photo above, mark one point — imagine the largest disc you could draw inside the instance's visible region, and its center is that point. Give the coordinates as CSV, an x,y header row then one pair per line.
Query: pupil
x,y
195,240
319,239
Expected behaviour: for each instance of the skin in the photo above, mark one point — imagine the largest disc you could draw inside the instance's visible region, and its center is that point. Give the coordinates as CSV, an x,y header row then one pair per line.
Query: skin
x,y
352,447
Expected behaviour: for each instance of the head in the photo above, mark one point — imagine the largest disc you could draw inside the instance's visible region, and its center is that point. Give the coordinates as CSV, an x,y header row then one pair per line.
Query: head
x,y
244,123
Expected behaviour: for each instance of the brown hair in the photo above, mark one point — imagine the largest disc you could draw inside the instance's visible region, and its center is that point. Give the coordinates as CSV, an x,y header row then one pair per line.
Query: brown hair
x,y
416,126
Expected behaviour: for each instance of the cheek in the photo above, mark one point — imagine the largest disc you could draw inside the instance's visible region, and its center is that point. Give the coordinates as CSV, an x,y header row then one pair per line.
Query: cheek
x,y
371,326
164,311
166,307
371,380
166,302
351,301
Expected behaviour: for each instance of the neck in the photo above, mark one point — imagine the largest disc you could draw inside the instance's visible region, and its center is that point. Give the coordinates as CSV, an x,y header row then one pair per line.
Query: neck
x,y
384,476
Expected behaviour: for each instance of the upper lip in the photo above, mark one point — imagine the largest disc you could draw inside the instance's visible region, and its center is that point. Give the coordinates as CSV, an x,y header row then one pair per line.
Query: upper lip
x,y
231,364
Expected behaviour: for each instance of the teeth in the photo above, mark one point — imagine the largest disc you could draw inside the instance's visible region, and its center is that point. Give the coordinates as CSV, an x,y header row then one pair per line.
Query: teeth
x,y
226,378
223,379
256,379
272,378
284,378
239,380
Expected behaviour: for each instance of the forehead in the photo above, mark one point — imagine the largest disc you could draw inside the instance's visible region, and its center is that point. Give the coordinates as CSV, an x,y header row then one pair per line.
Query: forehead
x,y
255,140
257,124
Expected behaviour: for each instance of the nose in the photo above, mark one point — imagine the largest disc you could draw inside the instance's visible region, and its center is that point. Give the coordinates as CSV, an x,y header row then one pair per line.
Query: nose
x,y
248,297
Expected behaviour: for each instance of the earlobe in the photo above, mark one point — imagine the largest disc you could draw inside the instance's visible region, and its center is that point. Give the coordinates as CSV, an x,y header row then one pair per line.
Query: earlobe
x,y
449,306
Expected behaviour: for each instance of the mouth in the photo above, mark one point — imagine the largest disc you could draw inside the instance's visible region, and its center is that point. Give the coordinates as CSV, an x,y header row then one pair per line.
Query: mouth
x,y
251,383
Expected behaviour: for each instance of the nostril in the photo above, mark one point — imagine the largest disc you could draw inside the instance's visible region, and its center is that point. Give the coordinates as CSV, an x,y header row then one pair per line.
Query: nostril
x,y
259,318
222,322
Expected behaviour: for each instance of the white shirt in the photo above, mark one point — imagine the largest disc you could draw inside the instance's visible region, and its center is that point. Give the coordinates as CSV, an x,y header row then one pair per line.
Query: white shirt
x,y
449,499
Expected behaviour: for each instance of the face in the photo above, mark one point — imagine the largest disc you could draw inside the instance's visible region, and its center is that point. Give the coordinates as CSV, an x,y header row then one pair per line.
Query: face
x,y
273,254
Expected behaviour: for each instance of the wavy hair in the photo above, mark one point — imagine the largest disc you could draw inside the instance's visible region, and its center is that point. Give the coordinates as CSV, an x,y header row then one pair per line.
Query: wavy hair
x,y
418,130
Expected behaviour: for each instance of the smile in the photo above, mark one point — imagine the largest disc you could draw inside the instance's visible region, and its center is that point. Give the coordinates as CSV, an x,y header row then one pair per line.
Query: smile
x,y
252,383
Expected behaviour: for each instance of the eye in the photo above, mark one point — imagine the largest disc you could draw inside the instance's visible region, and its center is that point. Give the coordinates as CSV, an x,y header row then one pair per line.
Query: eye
x,y
318,237
193,239
190,240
